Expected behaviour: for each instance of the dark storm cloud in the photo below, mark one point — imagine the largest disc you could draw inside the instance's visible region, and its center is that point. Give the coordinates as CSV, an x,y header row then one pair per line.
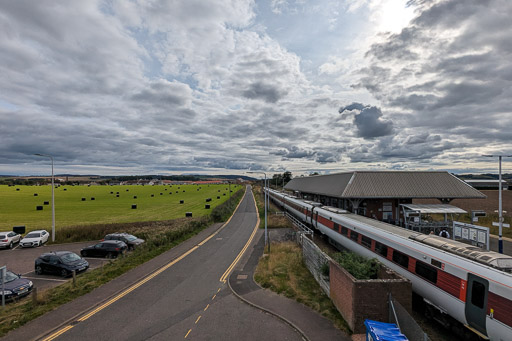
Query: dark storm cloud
x,y
369,121
164,93
450,71
262,91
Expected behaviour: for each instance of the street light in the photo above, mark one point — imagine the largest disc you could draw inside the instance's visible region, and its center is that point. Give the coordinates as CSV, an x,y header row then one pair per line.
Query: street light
x,y
500,209
53,198
265,186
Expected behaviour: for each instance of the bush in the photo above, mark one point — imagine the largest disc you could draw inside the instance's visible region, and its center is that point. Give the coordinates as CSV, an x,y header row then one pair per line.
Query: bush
x,y
357,266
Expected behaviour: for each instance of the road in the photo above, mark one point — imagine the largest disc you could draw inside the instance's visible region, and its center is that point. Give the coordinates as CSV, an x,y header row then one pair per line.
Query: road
x,y
189,300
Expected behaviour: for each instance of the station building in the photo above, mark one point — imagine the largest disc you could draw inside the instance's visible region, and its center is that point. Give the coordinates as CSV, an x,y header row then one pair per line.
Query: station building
x,y
382,195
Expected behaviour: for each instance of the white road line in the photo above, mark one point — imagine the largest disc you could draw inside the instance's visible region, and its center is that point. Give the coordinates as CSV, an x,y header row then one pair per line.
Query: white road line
x,y
47,279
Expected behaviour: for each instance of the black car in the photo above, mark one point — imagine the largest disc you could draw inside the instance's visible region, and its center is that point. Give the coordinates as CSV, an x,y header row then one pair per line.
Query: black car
x,y
106,248
61,262
130,240
15,286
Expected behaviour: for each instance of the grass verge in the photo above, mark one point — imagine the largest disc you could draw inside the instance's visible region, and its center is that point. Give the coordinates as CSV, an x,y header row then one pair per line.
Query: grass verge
x,y
273,220
159,237
284,272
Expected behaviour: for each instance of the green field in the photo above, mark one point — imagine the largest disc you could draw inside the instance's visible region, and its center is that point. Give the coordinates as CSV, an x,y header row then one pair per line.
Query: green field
x,y
18,204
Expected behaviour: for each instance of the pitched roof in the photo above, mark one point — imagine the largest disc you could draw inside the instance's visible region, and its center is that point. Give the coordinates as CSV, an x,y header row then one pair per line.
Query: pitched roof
x,y
386,184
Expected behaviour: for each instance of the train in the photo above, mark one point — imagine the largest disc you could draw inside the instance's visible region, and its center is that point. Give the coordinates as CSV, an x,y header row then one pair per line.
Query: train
x,y
456,280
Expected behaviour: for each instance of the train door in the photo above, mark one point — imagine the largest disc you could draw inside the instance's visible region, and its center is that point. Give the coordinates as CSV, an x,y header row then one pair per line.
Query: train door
x,y
476,302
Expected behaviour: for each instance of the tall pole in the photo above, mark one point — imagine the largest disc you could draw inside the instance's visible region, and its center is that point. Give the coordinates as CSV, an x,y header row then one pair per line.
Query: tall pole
x,y
500,209
53,197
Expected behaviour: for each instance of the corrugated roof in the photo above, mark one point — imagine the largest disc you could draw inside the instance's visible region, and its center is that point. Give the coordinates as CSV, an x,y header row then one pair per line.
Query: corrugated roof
x,y
386,184
434,208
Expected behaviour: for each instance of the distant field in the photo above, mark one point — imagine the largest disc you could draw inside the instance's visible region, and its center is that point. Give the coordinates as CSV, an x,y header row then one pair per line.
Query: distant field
x,y
18,204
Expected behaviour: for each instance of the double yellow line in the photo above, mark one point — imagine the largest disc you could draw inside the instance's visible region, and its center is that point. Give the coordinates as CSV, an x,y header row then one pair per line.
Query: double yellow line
x,y
145,280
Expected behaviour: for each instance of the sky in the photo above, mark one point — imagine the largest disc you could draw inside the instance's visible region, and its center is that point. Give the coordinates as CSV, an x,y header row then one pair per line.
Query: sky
x,y
231,86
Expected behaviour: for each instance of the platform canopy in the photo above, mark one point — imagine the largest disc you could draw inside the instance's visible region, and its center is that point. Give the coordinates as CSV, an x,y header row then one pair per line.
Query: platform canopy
x,y
434,208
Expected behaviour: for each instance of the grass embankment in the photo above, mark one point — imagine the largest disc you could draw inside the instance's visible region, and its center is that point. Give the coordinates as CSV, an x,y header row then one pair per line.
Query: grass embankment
x,y
284,272
154,203
273,220
159,238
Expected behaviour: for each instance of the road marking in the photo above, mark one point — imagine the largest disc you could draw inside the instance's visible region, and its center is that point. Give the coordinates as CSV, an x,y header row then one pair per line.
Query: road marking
x,y
188,333
218,291
47,279
198,319
230,268
214,297
148,278
58,333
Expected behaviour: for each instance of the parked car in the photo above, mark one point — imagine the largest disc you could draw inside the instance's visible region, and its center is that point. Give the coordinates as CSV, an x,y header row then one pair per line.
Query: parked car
x,y
15,286
60,262
8,239
106,248
130,240
35,238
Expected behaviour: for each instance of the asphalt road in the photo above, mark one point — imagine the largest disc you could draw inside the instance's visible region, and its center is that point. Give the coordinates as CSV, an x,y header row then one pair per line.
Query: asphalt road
x,y
188,300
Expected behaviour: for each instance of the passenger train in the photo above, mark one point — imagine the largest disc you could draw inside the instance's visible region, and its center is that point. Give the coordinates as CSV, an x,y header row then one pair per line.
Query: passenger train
x,y
471,285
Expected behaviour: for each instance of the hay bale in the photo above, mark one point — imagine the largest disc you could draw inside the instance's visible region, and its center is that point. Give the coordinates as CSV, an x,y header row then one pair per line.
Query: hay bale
x,y
134,197
152,195
117,195
207,206
127,190
182,201
224,194
39,208
65,189
93,198
17,189
35,194
218,197
161,194
111,192
83,199
208,199
46,203
188,214
134,207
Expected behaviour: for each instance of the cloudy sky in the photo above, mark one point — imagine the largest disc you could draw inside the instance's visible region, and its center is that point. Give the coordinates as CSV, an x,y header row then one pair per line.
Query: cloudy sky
x,y
226,86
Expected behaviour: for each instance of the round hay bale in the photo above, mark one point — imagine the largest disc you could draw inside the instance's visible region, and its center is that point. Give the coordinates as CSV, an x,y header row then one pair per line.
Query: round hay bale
x,y
39,208
161,194
93,198
46,203
65,189
134,197
17,189
218,197
152,195
207,206
182,201
35,194
117,195
111,192
188,214
83,199
134,206
208,199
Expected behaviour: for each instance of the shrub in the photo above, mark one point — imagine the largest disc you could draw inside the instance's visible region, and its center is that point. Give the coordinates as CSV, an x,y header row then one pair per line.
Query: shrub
x,y
357,266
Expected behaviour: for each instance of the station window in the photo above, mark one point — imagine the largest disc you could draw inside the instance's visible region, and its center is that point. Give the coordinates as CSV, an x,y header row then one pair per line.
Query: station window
x,y
366,241
354,235
426,271
400,258
381,249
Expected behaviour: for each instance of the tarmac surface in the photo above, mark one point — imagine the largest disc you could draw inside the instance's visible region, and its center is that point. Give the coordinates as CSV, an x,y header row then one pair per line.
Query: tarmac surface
x,y
158,302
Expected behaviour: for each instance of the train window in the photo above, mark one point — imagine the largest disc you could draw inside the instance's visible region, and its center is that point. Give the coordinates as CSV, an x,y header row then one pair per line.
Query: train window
x,y
366,241
426,271
336,227
344,231
478,294
400,259
354,235
381,249
436,263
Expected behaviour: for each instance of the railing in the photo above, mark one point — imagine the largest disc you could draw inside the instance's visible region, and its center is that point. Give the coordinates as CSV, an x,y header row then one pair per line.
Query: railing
x,y
303,229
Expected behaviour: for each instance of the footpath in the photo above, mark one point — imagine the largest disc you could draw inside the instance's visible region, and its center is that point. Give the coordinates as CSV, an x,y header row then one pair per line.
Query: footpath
x,y
306,321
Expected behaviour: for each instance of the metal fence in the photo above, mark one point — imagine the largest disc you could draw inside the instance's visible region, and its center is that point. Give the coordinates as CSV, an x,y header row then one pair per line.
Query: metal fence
x,y
405,322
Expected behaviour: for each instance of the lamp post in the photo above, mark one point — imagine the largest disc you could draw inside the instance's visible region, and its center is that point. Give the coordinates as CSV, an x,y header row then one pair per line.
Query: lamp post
x,y
53,198
264,189
500,206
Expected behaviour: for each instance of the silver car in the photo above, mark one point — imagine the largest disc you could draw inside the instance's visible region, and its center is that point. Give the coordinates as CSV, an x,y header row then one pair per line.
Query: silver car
x,y
8,239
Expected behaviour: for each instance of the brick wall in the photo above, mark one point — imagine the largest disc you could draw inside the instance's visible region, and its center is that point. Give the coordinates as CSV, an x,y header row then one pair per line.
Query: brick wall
x,y
358,300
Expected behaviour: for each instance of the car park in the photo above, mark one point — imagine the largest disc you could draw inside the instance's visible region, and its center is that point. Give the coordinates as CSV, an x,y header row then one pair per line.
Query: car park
x,y
8,239
106,248
15,286
60,262
129,239
35,238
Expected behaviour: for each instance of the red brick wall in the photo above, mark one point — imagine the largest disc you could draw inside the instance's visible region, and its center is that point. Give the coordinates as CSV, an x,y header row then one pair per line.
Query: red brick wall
x,y
358,300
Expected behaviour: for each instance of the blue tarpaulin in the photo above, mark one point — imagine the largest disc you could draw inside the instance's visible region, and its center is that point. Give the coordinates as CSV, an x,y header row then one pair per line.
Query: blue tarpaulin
x,y
380,331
